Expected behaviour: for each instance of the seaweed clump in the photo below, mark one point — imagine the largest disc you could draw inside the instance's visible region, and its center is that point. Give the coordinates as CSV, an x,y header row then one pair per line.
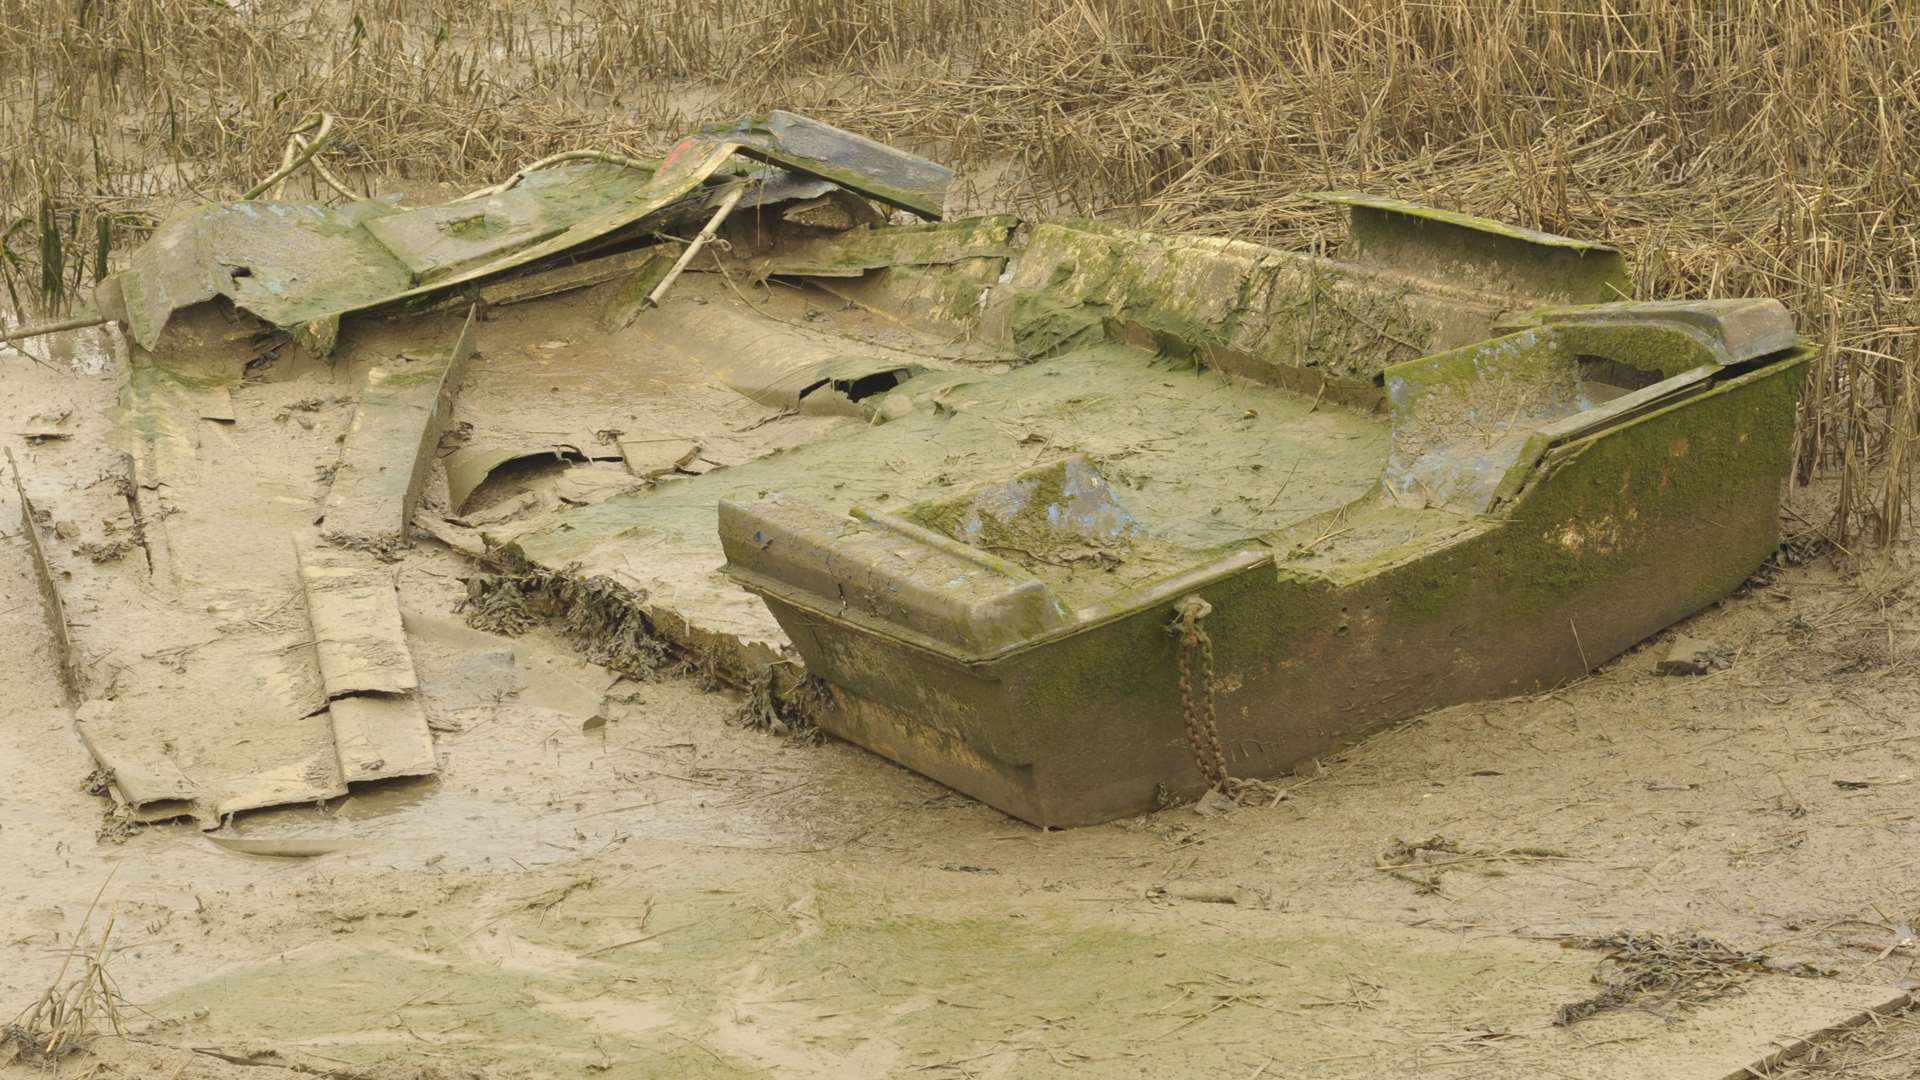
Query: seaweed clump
x,y
498,604
788,710
602,617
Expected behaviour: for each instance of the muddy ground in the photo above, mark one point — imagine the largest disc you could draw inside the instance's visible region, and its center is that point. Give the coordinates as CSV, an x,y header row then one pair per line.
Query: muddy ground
x,y
671,894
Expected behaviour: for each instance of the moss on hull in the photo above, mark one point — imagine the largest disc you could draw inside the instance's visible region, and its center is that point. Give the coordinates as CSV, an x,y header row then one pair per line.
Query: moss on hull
x,y
1280,310
1620,533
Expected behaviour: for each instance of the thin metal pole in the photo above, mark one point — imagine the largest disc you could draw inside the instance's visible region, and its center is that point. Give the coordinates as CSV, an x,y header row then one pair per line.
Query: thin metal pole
x,y
727,203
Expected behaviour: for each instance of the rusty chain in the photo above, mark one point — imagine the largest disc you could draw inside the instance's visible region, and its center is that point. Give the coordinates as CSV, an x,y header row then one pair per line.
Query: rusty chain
x,y
1203,733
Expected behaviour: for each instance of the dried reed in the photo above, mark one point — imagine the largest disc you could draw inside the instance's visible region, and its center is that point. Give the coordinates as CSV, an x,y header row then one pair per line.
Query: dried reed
x,y
77,1005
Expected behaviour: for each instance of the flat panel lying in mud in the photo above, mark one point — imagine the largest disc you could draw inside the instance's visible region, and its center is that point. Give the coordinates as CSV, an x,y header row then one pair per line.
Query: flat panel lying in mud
x,y
389,448
356,621
203,694
381,736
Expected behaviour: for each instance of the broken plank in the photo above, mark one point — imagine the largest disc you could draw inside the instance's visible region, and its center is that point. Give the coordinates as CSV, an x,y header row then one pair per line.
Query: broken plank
x,y
355,612
381,736
148,780
463,540
389,447
807,146
49,590
583,274
215,403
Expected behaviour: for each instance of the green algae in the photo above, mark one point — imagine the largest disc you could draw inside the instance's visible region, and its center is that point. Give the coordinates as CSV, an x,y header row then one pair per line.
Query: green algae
x,y
898,247
1077,280
1062,522
819,978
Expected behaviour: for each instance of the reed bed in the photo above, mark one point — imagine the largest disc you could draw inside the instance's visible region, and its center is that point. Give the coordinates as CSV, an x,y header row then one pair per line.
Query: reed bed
x,y
1760,147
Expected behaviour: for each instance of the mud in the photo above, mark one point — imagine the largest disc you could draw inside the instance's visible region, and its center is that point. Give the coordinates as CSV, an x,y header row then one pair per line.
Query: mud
x,y
671,894
607,876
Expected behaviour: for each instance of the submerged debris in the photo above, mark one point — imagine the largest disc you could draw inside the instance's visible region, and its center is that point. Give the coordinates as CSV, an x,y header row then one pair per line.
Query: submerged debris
x,y
1647,970
604,619
98,782
116,827
104,551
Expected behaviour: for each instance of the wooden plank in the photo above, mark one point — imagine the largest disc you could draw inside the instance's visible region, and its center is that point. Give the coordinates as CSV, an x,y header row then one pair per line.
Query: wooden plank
x,y
355,611
381,736
49,590
389,447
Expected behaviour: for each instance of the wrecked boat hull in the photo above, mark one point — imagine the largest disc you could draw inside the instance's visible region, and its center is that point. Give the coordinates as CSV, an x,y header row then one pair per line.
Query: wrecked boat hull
x,y
1561,475
1618,535
1075,518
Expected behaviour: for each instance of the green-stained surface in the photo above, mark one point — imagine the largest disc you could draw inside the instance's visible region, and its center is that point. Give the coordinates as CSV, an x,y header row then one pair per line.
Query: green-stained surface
x,y
300,267
437,242
1405,597
1077,281
288,263
1526,506
1143,423
1462,418
813,981
861,249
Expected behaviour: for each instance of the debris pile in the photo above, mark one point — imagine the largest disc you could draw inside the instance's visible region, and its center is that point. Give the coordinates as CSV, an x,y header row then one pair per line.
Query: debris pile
x,y
938,487
1661,972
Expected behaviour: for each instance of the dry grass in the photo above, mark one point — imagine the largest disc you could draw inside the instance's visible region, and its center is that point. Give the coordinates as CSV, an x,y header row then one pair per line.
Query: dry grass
x,y
1660,973
82,1001
1741,147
